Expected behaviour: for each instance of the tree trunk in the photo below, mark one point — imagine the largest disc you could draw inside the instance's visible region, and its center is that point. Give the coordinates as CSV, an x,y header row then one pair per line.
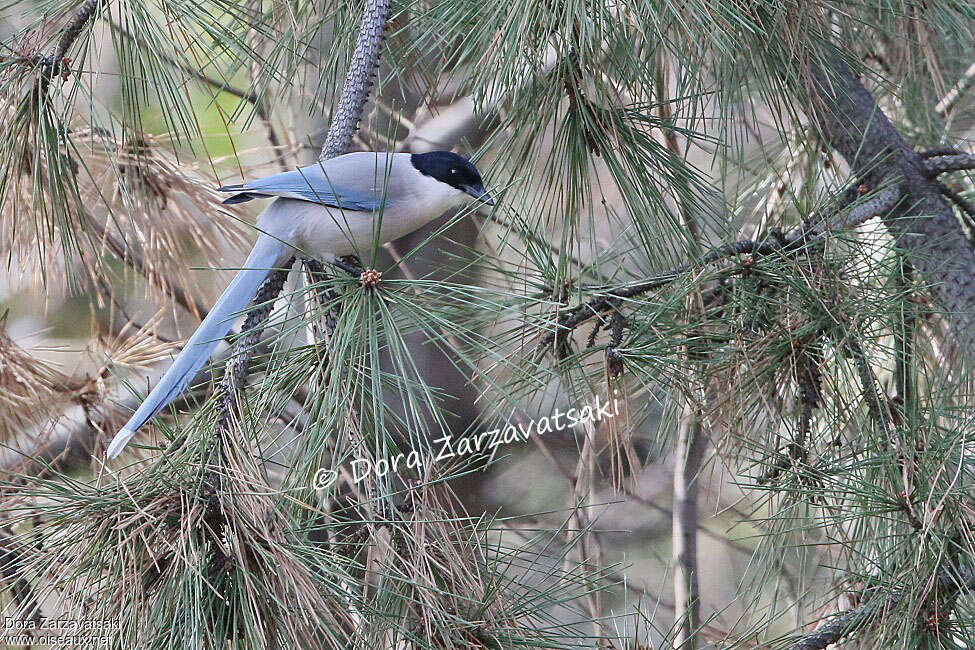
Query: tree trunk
x,y
923,224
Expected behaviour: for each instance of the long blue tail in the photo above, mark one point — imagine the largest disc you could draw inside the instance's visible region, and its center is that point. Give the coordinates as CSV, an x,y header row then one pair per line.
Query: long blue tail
x,y
267,254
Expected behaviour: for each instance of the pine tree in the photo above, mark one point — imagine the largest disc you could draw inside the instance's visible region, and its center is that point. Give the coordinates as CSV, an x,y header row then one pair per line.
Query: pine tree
x,y
740,231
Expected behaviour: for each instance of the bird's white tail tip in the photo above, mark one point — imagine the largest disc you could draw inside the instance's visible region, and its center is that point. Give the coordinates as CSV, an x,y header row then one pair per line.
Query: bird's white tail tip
x,y
118,443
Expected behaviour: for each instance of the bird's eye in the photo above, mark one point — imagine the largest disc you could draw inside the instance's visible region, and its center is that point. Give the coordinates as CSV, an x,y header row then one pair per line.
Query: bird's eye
x,y
453,171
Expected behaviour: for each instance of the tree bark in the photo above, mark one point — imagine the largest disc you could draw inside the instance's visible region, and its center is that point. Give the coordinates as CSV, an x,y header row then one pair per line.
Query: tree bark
x,y
358,80
923,224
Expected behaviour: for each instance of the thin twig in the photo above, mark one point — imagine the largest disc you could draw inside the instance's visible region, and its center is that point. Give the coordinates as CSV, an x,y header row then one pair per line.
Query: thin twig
x,y
808,374
259,102
877,404
944,150
224,86
691,438
947,103
345,121
136,262
964,204
262,109
238,366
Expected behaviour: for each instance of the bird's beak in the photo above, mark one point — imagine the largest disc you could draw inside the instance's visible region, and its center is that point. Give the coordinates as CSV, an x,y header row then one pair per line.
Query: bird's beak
x,y
479,193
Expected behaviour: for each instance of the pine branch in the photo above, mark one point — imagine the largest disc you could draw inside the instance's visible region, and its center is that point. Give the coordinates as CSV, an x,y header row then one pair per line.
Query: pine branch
x,y
791,243
852,620
238,366
56,63
875,398
358,80
934,152
952,163
808,371
260,104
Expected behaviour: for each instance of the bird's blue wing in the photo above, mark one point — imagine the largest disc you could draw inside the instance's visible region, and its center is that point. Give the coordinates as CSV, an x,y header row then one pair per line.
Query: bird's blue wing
x,y
308,184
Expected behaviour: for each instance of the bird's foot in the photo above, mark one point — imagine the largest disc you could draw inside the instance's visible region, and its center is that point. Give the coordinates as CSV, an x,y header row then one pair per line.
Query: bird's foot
x,y
354,270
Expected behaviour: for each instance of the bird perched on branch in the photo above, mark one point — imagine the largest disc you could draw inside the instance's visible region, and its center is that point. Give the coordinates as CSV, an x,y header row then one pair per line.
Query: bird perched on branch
x,y
328,210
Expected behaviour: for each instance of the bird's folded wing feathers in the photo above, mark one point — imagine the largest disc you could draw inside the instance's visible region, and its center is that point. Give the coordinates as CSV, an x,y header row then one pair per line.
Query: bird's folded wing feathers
x,y
312,184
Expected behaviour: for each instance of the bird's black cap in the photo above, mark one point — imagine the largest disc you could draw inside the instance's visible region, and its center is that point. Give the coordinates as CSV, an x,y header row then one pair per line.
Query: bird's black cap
x,y
456,171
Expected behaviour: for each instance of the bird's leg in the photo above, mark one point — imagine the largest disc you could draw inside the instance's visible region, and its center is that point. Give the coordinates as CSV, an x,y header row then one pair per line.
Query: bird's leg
x,y
325,296
368,277
352,269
